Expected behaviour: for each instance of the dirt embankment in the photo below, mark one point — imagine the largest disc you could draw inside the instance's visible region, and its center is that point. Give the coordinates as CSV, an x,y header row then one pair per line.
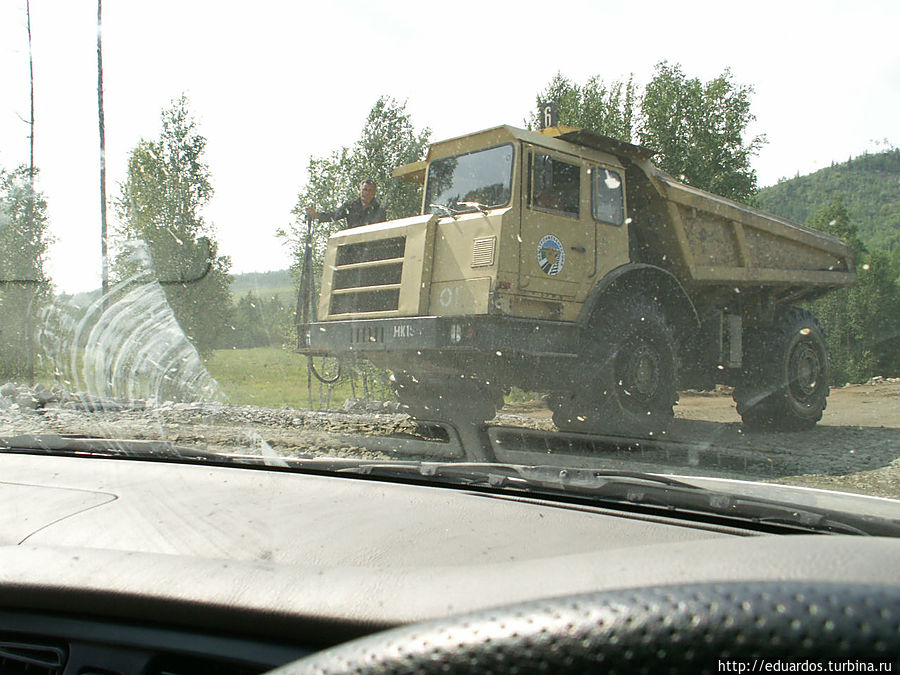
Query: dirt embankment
x,y
855,448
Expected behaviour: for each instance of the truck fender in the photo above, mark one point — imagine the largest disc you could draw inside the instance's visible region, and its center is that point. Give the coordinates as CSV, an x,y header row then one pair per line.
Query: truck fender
x,y
652,281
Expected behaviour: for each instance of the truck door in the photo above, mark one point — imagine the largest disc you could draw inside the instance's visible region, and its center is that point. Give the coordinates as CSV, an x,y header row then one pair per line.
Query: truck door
x,y
557,232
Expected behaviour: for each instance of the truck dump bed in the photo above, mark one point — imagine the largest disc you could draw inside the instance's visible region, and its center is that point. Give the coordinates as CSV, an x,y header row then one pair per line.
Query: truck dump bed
x,y
714,240
721,240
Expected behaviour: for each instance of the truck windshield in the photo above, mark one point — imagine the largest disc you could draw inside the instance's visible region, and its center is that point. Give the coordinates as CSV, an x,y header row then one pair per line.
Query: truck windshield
x,y
482,177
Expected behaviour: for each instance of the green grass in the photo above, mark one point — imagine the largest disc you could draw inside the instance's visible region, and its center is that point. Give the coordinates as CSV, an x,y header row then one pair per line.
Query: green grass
x,y
273,377
269,376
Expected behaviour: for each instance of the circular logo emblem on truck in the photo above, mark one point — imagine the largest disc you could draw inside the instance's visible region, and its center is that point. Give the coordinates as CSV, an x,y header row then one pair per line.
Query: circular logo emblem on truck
x,y
551,255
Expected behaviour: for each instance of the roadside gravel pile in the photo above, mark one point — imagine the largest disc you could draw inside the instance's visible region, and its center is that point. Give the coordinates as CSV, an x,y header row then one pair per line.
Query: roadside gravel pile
x,y
212,425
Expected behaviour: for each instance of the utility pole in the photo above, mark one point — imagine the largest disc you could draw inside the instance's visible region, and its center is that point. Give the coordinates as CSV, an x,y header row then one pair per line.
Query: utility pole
x,y
29,325
104,271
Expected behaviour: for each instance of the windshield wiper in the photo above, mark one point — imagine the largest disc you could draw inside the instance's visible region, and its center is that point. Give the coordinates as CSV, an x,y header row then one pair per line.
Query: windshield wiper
x,y
450,212
104,447
537,477
675,498
475,205
508,475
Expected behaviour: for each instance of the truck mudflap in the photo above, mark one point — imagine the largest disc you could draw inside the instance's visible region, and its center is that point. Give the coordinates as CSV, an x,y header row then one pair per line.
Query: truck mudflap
x,y
440,334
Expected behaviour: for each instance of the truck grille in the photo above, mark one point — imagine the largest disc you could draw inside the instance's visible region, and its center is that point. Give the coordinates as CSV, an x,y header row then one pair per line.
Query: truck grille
x,y
365,334
368,251
371,301
361,277
367,276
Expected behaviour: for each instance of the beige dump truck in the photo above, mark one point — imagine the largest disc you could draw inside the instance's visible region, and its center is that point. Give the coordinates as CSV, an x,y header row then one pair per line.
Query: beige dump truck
x,y
565,262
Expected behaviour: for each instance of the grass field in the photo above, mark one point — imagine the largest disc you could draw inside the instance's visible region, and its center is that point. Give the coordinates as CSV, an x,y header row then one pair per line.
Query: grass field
x,y
272,377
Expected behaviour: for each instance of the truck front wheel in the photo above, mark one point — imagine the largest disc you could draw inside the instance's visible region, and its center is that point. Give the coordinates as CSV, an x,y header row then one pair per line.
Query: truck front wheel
x,y
627,386
784,384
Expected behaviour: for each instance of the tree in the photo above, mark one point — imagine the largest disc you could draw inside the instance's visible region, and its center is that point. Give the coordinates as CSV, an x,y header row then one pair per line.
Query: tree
x,y
861,323
167,186
257,322
388,139
608,109
868,186
23,284
698,130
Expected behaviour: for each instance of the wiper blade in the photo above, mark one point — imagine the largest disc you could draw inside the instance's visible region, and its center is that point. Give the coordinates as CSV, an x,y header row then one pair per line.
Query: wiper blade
x,y
103,447
469,206
450,212
533,478
674,497
475,205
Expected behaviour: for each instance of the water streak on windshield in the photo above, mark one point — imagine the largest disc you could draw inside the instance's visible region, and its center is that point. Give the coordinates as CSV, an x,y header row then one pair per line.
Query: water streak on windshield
x,y
127,344
126,349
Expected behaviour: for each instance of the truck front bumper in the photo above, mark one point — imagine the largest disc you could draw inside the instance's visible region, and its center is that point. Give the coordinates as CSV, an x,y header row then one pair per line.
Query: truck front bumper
x,y
420,335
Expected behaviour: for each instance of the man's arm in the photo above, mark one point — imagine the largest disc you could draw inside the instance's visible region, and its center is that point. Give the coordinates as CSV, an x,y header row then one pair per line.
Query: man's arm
x,y
337,214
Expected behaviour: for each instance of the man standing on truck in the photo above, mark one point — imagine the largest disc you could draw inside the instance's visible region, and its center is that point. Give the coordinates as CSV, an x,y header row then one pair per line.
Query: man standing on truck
x,y
363,211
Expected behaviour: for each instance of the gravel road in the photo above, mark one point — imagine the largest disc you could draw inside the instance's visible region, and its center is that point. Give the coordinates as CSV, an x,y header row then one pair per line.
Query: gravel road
x,y
856,447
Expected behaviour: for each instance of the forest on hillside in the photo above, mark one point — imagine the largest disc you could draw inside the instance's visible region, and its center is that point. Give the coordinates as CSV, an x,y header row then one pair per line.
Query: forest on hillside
x,y
868,185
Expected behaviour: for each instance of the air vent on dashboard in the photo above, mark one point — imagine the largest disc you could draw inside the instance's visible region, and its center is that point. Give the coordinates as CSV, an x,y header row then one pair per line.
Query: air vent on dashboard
x,y
175,664
20,656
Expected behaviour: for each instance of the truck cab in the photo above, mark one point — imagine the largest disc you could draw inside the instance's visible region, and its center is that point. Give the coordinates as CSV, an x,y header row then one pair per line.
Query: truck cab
x,y
513,222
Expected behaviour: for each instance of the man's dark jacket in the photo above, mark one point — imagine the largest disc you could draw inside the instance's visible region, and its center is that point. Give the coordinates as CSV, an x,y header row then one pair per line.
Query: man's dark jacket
x,y
355,214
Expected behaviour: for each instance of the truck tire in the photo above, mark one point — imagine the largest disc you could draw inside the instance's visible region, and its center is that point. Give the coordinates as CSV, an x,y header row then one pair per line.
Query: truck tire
x,y
627,386
784,383
437,398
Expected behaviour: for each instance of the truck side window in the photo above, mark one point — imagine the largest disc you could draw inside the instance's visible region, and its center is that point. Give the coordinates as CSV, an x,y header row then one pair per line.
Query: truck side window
x,y
608,204
555,185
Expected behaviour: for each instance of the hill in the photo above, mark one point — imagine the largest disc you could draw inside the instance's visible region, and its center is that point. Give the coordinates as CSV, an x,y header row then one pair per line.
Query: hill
x,y
869,186
278,283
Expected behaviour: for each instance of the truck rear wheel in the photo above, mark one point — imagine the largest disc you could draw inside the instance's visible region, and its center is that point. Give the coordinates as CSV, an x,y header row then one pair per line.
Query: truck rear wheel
x,y
446,398
784,385
630,365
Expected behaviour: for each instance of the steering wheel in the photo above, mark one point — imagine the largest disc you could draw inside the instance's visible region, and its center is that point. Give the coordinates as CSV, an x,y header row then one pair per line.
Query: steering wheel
x,y
681,629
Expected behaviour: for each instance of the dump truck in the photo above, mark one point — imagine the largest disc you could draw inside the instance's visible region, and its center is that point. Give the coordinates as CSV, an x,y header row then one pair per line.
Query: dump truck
x,y
565,262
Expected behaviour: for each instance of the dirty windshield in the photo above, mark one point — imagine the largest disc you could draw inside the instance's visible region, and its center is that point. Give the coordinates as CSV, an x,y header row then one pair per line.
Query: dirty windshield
x,y
255,247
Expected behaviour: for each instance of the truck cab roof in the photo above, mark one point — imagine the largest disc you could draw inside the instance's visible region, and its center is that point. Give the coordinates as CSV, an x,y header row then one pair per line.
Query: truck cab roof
x,y
611,151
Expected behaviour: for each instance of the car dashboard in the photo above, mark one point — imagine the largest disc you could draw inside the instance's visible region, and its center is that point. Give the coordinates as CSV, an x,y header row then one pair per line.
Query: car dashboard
x,y
130,566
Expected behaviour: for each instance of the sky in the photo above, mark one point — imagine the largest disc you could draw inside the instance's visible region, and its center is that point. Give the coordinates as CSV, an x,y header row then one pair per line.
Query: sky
x,y
272,83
